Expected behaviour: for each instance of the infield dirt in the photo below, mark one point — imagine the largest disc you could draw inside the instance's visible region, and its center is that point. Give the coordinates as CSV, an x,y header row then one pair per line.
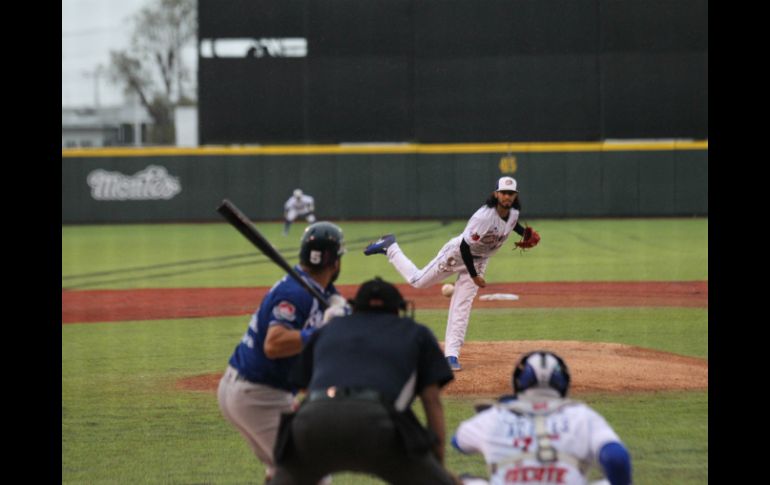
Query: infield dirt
x,y
167,303
487,366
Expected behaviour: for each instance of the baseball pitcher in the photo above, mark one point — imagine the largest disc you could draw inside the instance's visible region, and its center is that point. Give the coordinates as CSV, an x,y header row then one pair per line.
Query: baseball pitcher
x,y
537,435
465,255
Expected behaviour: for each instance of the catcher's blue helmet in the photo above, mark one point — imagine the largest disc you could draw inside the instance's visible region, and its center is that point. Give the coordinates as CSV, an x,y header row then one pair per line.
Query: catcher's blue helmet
x,y
541,369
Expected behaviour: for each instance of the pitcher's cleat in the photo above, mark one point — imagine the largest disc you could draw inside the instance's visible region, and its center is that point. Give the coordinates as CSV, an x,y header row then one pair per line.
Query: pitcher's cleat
x,y
454,364
380,246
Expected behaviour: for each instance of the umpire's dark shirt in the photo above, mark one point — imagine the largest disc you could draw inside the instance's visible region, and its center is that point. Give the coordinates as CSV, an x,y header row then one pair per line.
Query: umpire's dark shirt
x,y
374,351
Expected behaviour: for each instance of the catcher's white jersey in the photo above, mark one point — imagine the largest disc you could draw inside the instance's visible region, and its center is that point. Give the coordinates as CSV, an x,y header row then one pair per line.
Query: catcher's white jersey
x,y
300,205
486,231
507,442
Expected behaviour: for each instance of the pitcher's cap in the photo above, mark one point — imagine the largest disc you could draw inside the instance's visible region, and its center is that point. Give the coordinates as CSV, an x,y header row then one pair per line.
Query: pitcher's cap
x,y
506,183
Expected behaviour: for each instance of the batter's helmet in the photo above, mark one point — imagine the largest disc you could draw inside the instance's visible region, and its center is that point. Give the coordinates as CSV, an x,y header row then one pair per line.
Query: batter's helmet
x,y
541,370
322,244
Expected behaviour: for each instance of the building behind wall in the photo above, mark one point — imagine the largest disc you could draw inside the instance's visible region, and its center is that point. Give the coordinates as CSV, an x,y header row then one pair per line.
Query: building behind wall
x,y
443,71
105,126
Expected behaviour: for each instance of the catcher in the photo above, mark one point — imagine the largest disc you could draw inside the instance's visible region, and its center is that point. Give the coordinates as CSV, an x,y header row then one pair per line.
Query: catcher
x,y
538,435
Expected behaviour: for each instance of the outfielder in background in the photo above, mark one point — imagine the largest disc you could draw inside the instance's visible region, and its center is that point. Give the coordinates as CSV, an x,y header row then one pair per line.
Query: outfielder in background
x,y
255,390
537,435
467,255
298,205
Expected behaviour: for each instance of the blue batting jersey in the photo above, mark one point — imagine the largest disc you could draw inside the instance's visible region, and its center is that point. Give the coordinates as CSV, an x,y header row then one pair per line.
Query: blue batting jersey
x,y
287,304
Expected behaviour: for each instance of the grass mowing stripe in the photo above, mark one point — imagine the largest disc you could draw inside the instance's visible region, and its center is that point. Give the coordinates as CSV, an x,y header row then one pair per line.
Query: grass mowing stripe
x,y
212,265
156,266
256,259
666,433
362,241
146,278
571,250
679,330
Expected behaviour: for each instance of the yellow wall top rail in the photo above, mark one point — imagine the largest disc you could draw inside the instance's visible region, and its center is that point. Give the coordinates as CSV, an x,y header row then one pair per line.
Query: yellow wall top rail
x,y
396,148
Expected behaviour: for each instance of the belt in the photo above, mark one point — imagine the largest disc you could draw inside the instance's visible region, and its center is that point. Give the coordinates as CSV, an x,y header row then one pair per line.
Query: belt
x,y
235,375
344,393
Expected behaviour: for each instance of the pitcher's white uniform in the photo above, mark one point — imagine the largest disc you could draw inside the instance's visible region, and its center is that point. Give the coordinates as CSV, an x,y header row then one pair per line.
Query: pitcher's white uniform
x,y
507,438
485,233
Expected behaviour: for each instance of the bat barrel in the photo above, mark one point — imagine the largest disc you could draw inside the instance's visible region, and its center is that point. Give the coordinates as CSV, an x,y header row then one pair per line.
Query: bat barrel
x,y
238,219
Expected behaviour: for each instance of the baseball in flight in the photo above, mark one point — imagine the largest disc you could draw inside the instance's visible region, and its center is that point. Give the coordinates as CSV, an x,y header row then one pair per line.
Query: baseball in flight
x,y
448,289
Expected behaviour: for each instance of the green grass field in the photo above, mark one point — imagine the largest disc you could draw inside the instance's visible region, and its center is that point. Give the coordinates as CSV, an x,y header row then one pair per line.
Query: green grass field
x,y
124,421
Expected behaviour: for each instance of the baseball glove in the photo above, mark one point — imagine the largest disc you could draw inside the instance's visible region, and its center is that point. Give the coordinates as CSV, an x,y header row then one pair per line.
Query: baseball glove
x,y
529,239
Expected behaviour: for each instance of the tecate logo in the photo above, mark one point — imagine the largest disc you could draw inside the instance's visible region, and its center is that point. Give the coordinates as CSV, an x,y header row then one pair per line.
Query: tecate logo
x,y
152,183
254,48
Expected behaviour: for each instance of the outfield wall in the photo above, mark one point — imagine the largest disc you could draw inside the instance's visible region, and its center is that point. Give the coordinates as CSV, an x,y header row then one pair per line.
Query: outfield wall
x,y
384,182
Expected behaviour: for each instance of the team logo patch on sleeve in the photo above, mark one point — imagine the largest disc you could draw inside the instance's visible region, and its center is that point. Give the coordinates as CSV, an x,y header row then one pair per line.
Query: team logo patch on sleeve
x,y
285,311
475,236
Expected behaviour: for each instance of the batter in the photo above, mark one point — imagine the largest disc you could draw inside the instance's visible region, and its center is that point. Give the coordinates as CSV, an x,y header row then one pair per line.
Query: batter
x,y
255,389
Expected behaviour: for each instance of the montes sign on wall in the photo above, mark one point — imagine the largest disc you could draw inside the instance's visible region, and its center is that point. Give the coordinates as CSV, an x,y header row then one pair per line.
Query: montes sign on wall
x,y
152,183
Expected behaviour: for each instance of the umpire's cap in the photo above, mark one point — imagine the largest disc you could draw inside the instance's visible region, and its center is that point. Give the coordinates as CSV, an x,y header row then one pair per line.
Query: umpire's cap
x,y
378,295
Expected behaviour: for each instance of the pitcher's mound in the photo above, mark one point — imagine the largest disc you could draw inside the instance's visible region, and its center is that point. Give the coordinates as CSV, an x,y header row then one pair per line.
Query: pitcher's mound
x,y
609,367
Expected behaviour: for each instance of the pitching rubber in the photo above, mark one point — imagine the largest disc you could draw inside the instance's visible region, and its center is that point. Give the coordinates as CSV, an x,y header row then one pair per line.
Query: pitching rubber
x,y
499,296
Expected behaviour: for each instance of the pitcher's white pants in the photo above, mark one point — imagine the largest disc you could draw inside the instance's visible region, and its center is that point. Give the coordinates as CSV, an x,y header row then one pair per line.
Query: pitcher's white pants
x,y
448,261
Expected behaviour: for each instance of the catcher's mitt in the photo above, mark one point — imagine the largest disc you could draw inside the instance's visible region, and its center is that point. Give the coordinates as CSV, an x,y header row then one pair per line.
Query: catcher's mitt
x,y
529,239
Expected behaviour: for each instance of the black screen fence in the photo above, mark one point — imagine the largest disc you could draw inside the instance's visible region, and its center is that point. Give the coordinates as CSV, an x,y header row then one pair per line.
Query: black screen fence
x,y
437,71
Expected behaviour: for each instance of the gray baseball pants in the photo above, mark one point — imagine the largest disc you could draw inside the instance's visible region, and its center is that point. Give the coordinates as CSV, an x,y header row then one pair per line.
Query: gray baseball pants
x,y
255,411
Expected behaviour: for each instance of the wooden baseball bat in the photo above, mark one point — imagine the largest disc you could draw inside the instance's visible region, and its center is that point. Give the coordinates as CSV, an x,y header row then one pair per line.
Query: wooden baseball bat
x,y
239,220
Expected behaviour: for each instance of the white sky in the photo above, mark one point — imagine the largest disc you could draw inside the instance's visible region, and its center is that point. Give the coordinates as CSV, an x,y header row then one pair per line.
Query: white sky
x,y
89,30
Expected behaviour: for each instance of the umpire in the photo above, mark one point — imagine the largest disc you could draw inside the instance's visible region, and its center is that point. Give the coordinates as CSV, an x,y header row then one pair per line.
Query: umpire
x,y
361,373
